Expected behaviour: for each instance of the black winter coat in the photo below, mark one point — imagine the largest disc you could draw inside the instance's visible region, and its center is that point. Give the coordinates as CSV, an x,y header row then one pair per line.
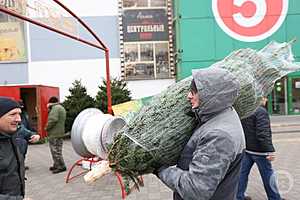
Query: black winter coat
x,y
23,134
258,132
11,169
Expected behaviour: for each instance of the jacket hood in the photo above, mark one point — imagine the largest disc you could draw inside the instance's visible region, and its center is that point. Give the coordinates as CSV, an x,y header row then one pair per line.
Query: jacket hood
x,y
217,89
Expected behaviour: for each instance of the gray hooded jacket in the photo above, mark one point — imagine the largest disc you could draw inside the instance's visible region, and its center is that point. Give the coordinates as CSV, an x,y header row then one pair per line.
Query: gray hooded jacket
x,y
209,166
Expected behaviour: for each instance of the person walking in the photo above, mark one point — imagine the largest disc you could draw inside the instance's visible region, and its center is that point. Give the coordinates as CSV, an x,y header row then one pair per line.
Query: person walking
x,y
209,165
12,179
259,151
56,131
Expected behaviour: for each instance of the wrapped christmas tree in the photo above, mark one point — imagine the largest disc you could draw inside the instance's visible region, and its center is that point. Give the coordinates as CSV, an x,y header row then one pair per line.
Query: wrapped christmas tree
x,y
158,133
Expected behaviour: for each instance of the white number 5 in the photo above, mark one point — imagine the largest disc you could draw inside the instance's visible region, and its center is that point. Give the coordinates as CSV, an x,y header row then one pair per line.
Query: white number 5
x,y
261,10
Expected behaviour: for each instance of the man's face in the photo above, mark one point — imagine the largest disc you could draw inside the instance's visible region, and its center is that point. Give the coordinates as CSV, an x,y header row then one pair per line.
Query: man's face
x,y
9,122
194,99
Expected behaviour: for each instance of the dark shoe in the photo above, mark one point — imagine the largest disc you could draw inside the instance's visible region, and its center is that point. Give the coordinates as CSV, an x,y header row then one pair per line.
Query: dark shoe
x,y
26,168
247,198
56,171
52,168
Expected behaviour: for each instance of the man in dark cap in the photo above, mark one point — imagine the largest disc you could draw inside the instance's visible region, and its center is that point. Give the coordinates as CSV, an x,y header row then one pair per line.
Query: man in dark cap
x,y
56,131
11,161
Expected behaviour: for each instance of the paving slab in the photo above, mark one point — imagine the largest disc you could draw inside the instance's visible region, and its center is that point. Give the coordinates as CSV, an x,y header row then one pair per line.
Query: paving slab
x,y
43,185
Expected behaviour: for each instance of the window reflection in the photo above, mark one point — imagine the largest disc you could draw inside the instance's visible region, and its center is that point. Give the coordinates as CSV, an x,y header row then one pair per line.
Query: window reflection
x,y
296,95
278,97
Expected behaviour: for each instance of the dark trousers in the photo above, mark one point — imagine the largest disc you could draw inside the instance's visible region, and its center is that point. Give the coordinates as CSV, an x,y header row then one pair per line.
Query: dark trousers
x,y
56,145
266,172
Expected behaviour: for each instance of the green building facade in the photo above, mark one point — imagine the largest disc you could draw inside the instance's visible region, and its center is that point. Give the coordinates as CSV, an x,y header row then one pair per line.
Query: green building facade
x,y
201,39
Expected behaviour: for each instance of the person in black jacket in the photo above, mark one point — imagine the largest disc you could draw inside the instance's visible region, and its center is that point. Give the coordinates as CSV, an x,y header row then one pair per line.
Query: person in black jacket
x,y
11,161
25,133
259,150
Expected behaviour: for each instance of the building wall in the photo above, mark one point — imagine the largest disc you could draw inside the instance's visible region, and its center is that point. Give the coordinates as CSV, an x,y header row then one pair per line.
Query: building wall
x,y
13,73
201,42
49,46
58,61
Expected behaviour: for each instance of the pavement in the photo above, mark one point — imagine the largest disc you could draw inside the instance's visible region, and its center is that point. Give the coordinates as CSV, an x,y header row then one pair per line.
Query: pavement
x,y
285,123
41,184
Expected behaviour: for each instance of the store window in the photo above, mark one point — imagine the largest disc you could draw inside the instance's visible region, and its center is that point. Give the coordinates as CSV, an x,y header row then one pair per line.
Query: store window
x,y
295,86
279,103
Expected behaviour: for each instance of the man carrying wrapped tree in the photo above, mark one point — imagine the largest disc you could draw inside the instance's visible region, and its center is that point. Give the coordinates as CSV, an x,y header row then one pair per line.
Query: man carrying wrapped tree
x,y
209,165
161,134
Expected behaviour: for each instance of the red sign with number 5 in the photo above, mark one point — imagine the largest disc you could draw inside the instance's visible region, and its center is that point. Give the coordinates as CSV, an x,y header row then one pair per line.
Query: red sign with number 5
x,y
250,20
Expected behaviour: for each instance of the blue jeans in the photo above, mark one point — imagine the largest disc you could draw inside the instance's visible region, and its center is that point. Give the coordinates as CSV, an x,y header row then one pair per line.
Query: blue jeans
x,y
266,172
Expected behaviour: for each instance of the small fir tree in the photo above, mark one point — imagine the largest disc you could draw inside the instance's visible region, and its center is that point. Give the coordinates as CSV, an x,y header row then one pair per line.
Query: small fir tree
x,y
77,101
119,94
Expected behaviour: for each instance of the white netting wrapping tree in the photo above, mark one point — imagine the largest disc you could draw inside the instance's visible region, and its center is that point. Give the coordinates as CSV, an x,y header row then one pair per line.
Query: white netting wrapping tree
x,y
257,72
158,133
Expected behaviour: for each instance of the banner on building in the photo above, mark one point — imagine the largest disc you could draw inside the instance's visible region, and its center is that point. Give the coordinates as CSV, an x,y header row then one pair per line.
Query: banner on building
x,y
12,36
145,25
12,42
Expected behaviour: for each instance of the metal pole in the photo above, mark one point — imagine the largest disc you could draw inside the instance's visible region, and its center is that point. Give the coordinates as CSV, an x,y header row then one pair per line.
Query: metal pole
x,y
108,89
49,27
102,47
81,22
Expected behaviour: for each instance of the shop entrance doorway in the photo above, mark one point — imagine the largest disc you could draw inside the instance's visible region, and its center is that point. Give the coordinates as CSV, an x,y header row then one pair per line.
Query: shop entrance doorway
x,y
279,98
294,95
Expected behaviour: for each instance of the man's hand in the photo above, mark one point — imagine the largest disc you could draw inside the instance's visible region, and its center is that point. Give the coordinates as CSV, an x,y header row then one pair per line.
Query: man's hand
x,y
271,157
34,138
